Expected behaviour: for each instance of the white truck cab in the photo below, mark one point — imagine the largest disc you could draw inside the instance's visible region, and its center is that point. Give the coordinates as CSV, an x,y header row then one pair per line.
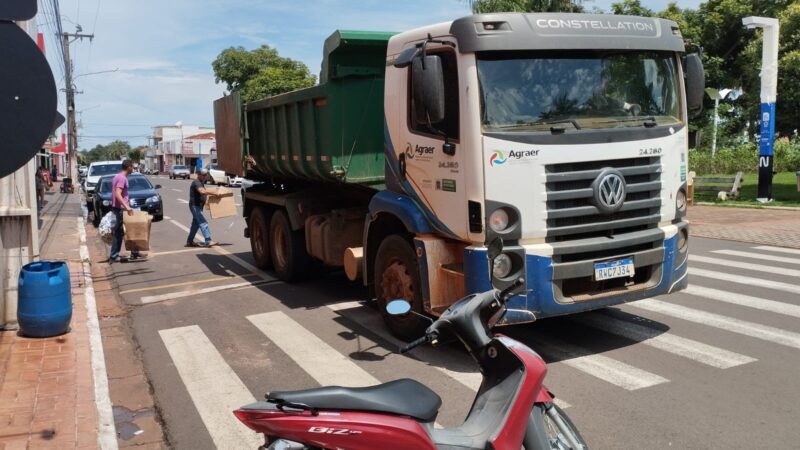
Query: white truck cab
x,y
565,135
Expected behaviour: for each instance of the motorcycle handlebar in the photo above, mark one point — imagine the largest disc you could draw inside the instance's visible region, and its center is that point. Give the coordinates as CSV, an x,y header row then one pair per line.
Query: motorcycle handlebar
x,y
411,345
505,293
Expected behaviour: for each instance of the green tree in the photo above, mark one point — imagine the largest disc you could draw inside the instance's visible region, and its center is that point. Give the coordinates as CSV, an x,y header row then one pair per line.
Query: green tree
x,y
137,154
260,73
631,8
492,6
112,151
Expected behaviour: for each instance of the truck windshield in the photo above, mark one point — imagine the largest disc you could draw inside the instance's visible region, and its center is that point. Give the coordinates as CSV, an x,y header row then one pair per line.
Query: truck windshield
x,y
542,91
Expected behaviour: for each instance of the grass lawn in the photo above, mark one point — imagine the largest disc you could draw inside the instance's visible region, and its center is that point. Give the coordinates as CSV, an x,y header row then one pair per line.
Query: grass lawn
x,y
784,191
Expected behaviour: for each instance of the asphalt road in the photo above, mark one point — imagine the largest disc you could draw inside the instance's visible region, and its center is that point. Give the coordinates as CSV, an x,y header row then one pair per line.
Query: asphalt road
x,y
716,367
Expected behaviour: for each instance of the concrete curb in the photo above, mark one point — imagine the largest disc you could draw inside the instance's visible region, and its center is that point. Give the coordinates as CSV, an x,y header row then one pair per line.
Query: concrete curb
x,y
777,208
106,430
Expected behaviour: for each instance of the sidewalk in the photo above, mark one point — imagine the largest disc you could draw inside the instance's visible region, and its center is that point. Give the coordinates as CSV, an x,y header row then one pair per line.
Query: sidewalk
x,y
780,228
48,394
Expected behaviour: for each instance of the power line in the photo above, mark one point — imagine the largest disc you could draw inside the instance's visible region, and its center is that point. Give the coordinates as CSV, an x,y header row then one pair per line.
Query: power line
x,y
94,28
83,136
117,124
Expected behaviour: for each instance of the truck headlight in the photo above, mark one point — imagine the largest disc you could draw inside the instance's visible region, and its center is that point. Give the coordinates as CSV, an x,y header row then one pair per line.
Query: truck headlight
x,y
680,201
501,266
498,220
153,199
106,203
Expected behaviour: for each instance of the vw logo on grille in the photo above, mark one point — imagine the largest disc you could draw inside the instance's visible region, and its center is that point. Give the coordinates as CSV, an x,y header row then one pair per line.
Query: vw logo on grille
x,y
609,191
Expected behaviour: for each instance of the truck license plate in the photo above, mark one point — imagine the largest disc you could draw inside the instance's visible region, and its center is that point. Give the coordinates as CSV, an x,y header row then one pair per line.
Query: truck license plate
x,y
613,269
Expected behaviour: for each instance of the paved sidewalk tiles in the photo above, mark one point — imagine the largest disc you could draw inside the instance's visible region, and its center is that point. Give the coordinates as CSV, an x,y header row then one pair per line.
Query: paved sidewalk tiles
x,y
47,397
774,227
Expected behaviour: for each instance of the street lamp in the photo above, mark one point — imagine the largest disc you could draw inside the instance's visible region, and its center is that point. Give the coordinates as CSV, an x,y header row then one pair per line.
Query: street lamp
x,y
717,95
179,124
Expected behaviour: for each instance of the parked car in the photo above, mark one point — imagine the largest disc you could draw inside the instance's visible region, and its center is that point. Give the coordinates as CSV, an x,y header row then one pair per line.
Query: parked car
x,y
96,171
142,195
179,171
216,175
235,181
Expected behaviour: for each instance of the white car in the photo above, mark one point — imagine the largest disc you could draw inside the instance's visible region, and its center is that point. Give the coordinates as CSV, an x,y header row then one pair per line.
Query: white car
x,y
216,175
96,171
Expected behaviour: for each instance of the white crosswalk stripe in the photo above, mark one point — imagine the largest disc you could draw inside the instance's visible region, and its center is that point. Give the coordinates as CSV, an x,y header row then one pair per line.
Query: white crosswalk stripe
x,y
751,255
214,387
312,354
668,342
749,301
371,320
599,366
740,279
764,332
743,265
791,251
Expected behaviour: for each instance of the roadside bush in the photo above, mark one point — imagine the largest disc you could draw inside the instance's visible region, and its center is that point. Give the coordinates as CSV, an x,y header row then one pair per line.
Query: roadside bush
x,y
787,155
744,157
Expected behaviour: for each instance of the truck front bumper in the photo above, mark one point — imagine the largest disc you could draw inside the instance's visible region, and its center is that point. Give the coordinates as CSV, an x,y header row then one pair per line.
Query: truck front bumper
x,y
555,287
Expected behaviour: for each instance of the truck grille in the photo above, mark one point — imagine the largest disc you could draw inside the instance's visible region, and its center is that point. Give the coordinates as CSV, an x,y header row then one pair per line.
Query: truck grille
x,y
570,214
582,235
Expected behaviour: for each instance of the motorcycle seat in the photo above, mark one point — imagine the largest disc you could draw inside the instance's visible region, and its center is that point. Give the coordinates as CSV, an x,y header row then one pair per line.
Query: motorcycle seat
x,y
403,397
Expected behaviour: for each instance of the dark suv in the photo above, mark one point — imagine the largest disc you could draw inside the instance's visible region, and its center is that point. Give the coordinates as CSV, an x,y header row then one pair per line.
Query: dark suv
x,y
141,194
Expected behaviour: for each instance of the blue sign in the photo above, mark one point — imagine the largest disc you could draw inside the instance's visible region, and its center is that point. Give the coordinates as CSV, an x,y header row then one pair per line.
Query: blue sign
x,y
767,132
199,163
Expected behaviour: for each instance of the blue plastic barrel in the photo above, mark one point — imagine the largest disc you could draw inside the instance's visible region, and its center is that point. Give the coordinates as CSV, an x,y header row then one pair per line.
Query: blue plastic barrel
x,y
45,299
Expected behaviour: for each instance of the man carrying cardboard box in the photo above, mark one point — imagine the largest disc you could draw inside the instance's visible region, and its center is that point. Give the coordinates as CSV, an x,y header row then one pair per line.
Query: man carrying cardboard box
x,y
119,203
197,200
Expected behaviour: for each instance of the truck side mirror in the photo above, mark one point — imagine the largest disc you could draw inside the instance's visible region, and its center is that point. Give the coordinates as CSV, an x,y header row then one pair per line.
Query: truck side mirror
x,y
695,84
428,86
406,57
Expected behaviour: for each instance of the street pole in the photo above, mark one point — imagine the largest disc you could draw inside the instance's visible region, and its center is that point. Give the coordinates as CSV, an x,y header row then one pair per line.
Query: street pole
x,y
72,142
769,90
716,122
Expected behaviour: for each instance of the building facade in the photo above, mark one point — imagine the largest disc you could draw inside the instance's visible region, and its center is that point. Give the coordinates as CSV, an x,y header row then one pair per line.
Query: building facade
x,y
188,145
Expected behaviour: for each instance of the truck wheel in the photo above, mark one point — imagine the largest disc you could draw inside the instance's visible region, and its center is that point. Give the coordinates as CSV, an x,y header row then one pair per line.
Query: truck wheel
x,y
288,249
259,238
397,276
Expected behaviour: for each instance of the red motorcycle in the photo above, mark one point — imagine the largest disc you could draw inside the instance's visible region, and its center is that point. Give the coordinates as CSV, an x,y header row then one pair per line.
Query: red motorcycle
x,y
512,409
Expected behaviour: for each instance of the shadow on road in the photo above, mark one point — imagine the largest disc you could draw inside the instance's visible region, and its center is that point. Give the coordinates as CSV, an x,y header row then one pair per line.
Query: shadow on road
x,y
570,336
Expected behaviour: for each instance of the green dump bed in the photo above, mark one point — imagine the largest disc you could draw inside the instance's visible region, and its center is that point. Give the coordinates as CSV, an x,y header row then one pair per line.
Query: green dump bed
x,y
332,132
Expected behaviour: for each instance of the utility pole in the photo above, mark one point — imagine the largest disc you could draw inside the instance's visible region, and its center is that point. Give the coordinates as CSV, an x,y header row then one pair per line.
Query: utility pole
x,y
72,132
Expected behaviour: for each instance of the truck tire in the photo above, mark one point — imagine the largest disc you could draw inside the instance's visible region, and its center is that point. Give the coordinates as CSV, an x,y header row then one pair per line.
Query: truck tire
x,y
397,276
288,249
259,238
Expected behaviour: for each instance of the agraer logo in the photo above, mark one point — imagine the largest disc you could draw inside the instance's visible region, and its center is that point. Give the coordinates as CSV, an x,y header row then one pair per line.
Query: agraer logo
x,y
497,158
514,156
419,151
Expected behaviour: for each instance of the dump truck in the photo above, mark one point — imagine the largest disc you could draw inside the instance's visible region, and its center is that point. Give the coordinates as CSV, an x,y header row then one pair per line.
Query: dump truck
x,y
562,136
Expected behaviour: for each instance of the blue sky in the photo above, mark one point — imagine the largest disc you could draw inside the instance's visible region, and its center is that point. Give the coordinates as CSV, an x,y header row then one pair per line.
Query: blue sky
x,y
163,50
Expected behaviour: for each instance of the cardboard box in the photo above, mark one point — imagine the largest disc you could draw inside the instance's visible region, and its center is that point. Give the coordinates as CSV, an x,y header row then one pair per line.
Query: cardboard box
x,y
137,230
222,205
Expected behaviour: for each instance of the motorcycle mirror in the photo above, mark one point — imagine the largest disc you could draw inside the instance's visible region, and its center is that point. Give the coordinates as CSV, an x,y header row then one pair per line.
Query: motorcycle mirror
x,y
495,248
398,307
